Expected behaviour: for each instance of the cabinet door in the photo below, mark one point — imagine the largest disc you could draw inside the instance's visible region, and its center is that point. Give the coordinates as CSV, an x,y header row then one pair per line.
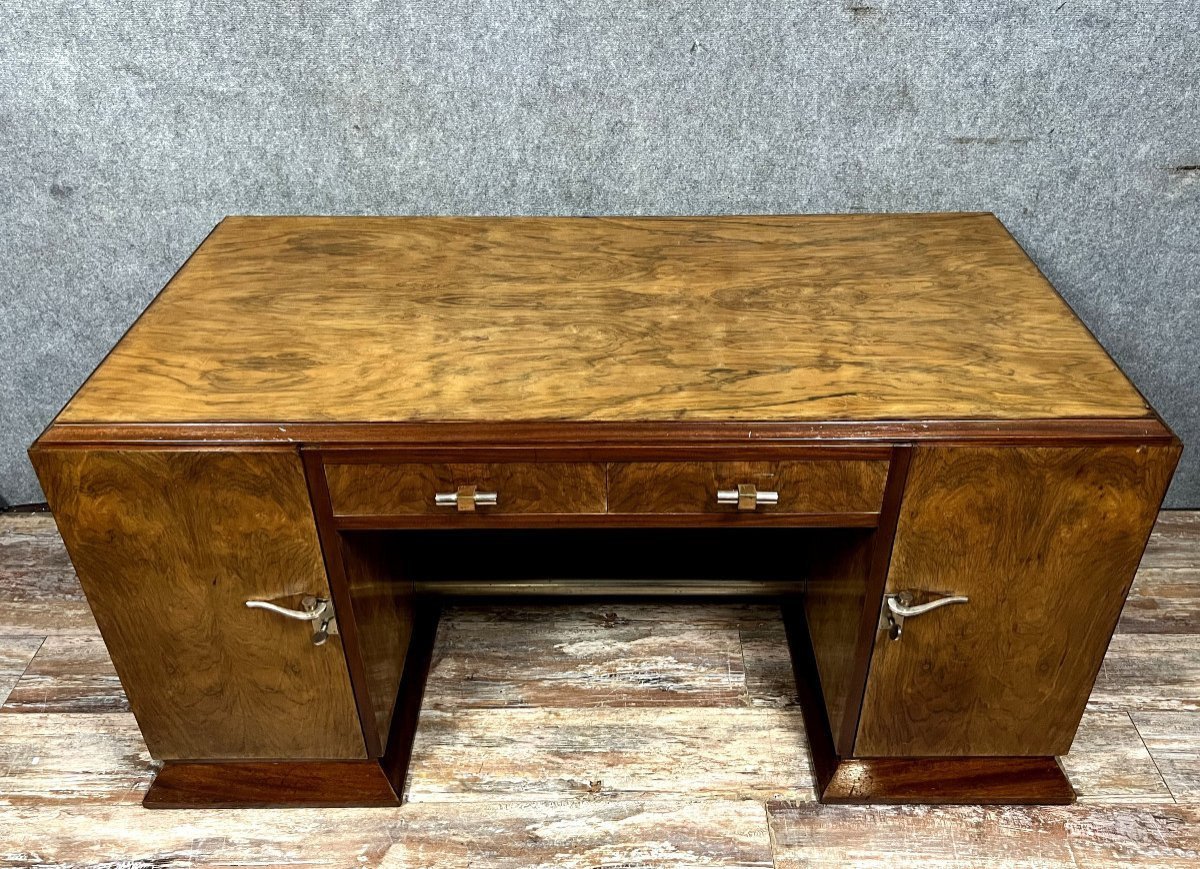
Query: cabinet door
x,y
1044,542
169,545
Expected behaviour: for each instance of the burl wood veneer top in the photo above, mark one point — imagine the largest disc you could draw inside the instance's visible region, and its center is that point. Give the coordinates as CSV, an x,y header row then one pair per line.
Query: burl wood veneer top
x,y
858,317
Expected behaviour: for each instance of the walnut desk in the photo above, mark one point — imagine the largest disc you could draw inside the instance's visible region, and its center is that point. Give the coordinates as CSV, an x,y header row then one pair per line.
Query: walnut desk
x,y
322,427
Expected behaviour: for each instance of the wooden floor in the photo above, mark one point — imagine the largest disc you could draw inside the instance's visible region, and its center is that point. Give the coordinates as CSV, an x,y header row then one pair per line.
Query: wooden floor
x,y
594,736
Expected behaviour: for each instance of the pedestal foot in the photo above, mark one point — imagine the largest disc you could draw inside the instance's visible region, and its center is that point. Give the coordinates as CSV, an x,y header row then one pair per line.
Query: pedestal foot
x,y
270,784
912,780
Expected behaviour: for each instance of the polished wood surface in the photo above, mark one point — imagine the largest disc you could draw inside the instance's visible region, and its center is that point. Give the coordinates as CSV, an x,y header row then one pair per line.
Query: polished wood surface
x,y
410,692
822,486
265,784
907,780
1045,543
940,781
404,489
168,546
612,371
837,570
383,602
843,576
636,437
807,318
864,636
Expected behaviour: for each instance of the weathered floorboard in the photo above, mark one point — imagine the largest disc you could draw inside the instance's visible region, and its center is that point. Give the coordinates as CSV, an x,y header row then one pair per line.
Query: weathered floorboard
x,y
551,754
69,674
579,833
539,767
1173,739
47,759
813,835
587,655
1149,671
38,586
1109,763
15,655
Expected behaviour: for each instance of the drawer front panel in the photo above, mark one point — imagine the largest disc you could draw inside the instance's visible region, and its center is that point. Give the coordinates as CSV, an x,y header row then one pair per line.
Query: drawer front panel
x,y
377,489
803,486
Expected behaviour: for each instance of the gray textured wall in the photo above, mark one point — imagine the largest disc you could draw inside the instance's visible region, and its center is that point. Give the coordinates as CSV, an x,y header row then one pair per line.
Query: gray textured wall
x,y
127,132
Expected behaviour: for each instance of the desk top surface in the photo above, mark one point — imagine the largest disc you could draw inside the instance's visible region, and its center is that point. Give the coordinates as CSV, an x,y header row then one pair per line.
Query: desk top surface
x,y
856,317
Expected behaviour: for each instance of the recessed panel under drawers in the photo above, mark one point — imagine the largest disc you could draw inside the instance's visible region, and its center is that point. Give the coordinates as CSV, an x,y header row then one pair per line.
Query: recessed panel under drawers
x,y
800,486
387,489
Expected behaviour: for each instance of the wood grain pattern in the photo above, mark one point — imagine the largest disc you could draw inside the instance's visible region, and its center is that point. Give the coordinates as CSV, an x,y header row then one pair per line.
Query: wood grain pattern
x,y
1045,542
572,834
1149,672
829,486
68,674
410,695
38,586
1109,762
383,604
1165,598
382,489
948,781
833,601
881,560
586,655
856,317
1173,740
909,780
49,760
15,655
169,546
615,753
1066,837
633,439
263,784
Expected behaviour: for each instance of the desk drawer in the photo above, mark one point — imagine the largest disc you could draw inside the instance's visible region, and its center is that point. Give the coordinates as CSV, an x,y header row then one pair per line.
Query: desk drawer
x,y
385,489
801,486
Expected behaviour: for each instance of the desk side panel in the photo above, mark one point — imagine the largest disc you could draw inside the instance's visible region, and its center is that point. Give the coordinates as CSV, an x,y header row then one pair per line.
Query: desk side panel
x,y
1045,542
168,545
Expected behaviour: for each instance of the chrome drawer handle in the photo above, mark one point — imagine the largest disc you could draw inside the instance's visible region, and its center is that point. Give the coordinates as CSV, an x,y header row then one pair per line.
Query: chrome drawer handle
x,y
466,499
900,607
747,497
317,610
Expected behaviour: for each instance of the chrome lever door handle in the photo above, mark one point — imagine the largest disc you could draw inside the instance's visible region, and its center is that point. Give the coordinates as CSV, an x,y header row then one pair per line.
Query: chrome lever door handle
x,y
899,607
746,497
466,499
316,610
897,604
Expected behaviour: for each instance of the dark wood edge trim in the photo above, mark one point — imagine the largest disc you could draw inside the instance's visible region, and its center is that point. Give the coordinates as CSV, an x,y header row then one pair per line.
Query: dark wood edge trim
x,y
949,781
42,446
602,435
633,453
868,626
808,689
1166,428
407,712
270,784
339,588
131,327
481,519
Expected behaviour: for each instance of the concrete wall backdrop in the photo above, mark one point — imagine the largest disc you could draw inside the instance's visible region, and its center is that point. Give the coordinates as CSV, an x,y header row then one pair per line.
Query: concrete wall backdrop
x,y
128,130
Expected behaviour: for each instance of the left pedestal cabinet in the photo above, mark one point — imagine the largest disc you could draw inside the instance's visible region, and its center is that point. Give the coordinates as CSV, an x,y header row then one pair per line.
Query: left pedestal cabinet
x,y
169,545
